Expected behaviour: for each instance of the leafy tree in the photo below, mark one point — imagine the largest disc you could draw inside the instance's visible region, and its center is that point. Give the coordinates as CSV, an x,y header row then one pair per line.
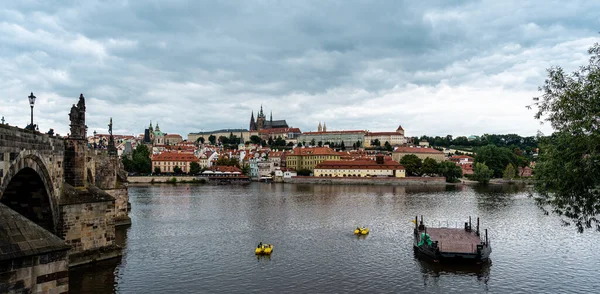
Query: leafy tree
x,y
412,164
358,144
388,146
177,170
509,172
482,173
566,173
200,140
342,146
140,160
212,139
375,143
245,169
156,170
270,141
228,161
450,170
496,158
312,142
194,168
255,139
223,140
303,172
299,145
290,144
429,167
280,141
320,144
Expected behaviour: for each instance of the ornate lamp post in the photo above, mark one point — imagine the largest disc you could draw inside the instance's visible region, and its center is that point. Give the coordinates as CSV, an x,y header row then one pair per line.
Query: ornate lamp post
x,y
31,103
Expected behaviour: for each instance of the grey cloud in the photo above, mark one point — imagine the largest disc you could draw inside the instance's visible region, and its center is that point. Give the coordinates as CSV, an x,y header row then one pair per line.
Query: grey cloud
x,y
360,64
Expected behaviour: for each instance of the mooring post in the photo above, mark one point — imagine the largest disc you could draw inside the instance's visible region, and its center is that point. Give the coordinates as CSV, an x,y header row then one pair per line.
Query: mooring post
x,y
477,226
470,223
486,238
416,221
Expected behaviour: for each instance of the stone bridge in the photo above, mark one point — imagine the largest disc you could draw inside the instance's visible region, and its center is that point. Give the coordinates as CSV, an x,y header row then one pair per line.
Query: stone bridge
x,y
59,204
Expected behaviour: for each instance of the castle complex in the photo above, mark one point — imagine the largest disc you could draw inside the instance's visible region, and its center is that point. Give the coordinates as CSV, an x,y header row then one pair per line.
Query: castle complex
x,y
262,123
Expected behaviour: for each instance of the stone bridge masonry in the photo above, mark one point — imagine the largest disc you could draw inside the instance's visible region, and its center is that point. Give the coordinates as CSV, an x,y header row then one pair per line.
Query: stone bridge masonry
x,y
59,204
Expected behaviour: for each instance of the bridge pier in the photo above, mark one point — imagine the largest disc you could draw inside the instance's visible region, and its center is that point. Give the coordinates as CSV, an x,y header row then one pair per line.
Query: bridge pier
x,y
32,260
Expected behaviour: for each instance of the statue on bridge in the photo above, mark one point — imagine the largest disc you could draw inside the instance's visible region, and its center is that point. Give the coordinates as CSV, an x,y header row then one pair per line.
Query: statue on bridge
x,y
77,118
112,150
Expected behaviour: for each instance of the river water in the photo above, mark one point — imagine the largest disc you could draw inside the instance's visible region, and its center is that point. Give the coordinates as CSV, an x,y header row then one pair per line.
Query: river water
x,y
201,239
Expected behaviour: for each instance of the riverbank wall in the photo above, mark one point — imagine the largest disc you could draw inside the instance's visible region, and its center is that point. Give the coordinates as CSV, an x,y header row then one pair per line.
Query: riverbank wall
x,y
160,179
408,181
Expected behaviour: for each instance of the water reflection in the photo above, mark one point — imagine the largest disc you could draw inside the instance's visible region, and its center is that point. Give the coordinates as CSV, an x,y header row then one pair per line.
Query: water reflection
x,y
496,197
432,272
99,276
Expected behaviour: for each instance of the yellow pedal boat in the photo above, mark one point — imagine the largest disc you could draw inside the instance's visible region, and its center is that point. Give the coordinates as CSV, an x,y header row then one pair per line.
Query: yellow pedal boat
x,y
265,249
361,231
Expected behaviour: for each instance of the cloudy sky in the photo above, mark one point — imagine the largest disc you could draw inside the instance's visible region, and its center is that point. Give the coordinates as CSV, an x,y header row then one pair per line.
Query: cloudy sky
x,y
436,68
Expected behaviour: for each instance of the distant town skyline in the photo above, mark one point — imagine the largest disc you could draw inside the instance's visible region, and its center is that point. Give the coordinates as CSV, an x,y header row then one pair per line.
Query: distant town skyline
x,y
437,68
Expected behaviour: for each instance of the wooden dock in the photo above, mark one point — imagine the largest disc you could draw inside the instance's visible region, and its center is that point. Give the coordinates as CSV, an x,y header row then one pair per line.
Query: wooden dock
x,y
454,240
456,244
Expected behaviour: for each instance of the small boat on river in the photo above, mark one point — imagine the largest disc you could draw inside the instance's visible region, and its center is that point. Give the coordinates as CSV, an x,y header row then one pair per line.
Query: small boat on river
x,y
263,249
451,244
361,231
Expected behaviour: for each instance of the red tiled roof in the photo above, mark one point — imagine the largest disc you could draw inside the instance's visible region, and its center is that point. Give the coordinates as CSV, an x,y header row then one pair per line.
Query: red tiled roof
x,y
461,156
173,156
383,134
314,151
225,168
279,131
358,164
173,136
417,150
334,132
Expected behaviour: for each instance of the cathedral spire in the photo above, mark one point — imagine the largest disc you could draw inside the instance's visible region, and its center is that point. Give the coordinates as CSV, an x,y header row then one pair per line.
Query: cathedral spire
x,y
252,122
319,128
271,116
324,127
261,114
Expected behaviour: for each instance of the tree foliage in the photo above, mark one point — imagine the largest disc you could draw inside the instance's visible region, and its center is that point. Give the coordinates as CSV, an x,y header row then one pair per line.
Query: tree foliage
x,y
448,169
228,161
509,172
412,164
482,173
177,170
496,158
567,172
255,139
140,160
429,167
388,146
212,139
194,168
304,172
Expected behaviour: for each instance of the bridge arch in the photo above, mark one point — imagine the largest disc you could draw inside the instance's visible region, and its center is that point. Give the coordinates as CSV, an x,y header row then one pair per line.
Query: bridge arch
x,y
27,188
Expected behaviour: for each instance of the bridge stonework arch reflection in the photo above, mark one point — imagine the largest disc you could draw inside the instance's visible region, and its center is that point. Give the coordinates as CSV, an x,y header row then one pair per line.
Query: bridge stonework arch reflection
x,y
51,211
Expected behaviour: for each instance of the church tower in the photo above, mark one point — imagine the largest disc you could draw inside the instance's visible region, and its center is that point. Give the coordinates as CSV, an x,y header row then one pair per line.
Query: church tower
x,y
260,120
252,122
319,128
324,127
